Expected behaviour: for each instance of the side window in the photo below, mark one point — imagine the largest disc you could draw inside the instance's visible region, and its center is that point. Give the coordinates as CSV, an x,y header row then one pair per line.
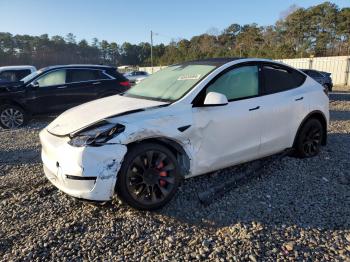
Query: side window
x,y
114,74
22,73
81,75
53,78
237,83
8,75
102,75
278,79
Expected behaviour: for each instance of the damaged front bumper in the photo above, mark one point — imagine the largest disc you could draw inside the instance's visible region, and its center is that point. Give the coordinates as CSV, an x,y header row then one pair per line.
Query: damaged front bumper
x,y
83,172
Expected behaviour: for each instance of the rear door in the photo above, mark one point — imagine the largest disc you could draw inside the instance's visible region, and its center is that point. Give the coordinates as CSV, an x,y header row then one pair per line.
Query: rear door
x,y
90,84
82,86
284,104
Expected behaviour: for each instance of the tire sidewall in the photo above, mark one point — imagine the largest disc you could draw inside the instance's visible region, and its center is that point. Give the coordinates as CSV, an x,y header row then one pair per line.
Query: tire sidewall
x,y
6,106
305,128
121,185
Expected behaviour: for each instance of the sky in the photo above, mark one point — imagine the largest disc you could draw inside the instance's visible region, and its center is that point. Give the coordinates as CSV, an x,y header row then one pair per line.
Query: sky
x,y
132,20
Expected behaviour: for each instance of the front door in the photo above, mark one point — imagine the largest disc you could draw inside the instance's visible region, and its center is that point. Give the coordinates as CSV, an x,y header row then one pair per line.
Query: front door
x,y
229,134
49,93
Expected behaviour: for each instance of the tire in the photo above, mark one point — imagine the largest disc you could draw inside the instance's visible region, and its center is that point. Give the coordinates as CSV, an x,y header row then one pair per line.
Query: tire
x,y
309,139
149,176
12,116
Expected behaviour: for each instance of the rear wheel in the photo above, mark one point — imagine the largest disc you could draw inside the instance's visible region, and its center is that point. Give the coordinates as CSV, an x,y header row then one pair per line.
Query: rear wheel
x,y
12,116
309,139
149,177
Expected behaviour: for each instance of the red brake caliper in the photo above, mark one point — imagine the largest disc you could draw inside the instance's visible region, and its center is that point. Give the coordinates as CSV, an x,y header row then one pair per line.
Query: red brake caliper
x,y
162,174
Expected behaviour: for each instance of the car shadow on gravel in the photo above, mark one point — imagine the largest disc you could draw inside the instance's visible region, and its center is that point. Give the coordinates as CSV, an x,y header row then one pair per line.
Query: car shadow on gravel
x,y
308,193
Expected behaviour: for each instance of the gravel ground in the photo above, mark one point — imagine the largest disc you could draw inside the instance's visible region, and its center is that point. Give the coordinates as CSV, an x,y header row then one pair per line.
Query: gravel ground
x,y
297,210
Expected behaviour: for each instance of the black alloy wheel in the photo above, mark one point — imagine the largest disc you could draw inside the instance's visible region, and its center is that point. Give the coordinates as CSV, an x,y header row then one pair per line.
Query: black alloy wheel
x,y
310,139
149,177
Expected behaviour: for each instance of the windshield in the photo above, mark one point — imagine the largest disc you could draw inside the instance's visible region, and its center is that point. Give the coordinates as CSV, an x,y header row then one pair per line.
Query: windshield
x,y
171,83
31,76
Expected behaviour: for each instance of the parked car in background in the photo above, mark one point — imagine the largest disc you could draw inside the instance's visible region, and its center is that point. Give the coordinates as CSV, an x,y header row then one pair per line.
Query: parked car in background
x,y
136,76
186,120
15,73
55,89
323,78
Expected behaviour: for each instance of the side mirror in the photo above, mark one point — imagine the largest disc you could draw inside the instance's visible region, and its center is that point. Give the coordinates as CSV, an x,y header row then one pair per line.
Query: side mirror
x,y
34,85
215,99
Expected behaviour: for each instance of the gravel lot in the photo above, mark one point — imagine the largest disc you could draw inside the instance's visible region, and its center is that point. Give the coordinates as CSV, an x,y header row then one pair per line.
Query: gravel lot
x,y
298,209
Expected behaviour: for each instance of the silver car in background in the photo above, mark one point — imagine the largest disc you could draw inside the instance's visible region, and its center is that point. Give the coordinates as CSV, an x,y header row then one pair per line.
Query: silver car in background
x,y
135,77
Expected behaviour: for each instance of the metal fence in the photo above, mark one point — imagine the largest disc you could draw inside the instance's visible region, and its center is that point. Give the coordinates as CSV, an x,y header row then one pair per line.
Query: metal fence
x,y
151,70
338,66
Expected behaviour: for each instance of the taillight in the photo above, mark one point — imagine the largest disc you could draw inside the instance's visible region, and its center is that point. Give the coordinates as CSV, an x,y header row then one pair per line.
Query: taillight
x,y
125,83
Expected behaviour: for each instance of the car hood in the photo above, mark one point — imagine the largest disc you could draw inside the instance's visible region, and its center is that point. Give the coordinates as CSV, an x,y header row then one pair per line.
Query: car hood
x,y
89,113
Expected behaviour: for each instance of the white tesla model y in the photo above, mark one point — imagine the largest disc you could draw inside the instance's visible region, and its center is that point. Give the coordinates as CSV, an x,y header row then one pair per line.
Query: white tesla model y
x,y
186,120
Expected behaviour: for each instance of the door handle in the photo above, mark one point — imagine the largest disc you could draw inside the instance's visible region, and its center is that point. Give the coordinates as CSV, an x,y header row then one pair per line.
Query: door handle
x,y
61,87
96,83
300,98
255,108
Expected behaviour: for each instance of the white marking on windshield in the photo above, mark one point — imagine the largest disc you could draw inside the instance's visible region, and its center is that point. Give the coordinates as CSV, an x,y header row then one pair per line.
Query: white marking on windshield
x,y
189,77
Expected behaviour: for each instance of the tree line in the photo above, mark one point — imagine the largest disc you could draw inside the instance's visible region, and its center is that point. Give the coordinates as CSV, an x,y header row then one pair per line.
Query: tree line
x,y
321,30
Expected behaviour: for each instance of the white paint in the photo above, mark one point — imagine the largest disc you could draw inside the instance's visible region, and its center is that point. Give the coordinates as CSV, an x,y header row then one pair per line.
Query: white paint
x,y
91,112
219,136
24,67
100,162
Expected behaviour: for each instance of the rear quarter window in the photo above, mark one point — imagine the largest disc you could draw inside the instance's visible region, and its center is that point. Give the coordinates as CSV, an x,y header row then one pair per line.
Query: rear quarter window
x,y
277,78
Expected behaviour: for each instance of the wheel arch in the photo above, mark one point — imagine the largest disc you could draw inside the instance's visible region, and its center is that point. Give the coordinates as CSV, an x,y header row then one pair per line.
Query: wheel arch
x,y
175,147
317,114
12,102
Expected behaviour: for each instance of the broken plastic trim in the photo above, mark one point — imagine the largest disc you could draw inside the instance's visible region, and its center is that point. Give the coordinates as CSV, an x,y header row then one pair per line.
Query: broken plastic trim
x,y
81,177
183,128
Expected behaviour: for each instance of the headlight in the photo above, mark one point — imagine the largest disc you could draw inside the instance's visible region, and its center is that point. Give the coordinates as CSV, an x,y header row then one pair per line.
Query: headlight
x,y
96,135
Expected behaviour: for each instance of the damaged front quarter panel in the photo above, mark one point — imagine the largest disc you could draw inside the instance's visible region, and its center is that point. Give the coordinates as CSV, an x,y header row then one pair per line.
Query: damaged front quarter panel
x,y
161,125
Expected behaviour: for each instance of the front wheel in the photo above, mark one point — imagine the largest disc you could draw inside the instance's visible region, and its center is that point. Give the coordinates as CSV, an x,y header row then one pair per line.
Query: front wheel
x,y
12,116
309,139
149,176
